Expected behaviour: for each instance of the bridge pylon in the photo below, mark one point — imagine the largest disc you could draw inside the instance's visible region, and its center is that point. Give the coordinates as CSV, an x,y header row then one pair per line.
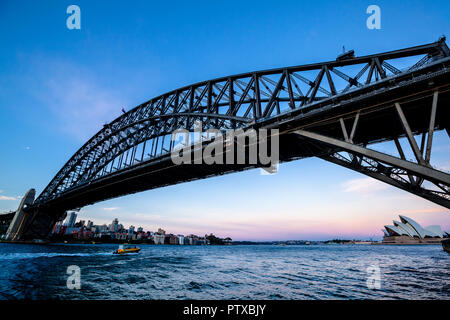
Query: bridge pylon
x,y
21,216
31,222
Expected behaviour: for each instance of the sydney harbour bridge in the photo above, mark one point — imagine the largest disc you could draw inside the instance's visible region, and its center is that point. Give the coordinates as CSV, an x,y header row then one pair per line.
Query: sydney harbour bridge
x,y
332,110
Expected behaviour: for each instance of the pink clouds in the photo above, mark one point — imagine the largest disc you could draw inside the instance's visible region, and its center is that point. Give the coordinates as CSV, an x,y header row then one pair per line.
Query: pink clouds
x,y
364,185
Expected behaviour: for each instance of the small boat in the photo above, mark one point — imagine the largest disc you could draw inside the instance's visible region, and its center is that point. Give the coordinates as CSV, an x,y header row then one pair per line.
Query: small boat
x,y
127,248
446,245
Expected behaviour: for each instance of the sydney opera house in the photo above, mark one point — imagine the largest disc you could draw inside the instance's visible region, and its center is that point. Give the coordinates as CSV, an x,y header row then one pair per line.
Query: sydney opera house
x,y
408,231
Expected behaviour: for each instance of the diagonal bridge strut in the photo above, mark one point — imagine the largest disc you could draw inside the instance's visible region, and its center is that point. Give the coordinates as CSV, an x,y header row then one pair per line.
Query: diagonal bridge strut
x,y
419,177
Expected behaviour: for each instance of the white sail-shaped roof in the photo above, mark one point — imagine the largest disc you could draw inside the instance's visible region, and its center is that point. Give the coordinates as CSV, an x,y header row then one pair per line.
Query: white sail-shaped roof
x,y
417,227
411,232
409,227
436,230
393,230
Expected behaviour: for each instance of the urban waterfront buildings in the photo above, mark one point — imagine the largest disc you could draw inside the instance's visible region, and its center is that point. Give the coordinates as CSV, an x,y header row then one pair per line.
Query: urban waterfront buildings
x,y
72,230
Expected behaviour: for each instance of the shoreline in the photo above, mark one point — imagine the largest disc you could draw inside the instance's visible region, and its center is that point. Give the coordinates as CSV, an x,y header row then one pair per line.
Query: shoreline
x,y
48,242
406,244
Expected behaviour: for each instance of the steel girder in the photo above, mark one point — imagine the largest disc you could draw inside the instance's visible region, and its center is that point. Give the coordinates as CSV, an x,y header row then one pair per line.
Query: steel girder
x,y
418,177
239,101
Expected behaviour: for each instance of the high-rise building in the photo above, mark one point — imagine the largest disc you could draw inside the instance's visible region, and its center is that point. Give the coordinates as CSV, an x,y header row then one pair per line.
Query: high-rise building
x,y
114,226
70,220
57,227
100,229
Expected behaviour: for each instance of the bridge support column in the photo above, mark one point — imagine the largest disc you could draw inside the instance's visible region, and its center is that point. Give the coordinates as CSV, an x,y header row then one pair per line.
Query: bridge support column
x,y
40,223
20,218
31,222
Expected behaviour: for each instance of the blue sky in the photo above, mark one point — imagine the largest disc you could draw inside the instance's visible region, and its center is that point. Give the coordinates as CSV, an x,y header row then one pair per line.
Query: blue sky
x,y
58,87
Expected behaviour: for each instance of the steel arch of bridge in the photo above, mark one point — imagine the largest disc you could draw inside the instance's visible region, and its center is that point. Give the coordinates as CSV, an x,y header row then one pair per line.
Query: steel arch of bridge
x,y
262,99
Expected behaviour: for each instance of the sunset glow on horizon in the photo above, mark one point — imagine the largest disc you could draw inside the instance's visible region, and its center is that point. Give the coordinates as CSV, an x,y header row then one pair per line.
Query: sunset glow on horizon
x,y
59,87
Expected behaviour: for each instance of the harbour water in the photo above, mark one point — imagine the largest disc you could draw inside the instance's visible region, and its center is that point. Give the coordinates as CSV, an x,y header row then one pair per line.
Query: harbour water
x,y
225,272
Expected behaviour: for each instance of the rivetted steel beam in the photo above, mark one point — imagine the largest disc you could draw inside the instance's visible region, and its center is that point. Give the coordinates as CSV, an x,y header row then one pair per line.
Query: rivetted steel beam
x,y
344,130
409,134
355,124
402,156
426,194
431,128
419,170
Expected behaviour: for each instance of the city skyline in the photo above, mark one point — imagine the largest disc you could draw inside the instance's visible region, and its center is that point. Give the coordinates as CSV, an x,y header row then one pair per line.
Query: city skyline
x,y
60,86
70,230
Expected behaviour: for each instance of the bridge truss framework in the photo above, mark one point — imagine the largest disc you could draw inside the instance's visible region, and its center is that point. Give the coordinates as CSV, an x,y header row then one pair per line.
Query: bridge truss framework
x,y
332,110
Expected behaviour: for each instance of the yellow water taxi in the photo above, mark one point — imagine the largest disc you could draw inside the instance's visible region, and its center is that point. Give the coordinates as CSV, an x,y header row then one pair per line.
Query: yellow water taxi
x,y
127,248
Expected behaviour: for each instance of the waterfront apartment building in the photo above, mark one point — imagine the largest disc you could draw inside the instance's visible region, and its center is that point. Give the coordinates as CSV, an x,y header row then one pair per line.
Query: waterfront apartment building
x,y
171,239
158,238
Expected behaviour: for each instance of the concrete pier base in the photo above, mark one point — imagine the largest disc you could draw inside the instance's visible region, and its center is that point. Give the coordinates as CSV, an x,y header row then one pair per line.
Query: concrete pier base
x,y
31,222
20,218
410,240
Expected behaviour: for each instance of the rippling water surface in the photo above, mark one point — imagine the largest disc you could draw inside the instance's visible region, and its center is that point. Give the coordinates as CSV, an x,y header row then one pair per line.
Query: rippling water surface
x,y
225,272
